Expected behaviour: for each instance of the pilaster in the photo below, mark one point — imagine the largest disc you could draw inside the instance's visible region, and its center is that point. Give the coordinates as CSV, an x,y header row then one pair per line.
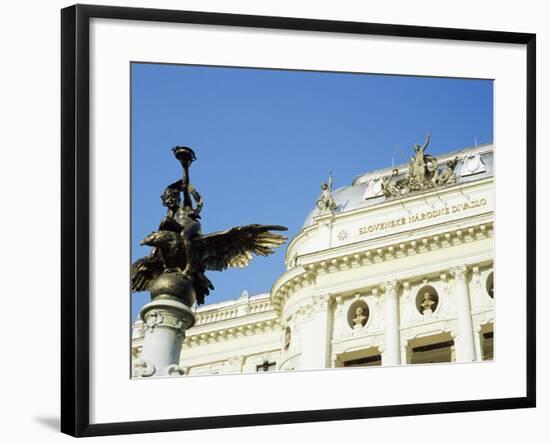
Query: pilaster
x,y
392,350
466,346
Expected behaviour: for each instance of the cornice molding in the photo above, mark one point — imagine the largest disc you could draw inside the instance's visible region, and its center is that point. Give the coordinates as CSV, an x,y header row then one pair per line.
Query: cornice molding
x,y
230,331
306,274
337,218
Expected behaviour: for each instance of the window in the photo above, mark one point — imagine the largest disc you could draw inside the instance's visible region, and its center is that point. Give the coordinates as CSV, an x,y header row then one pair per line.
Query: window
x,y
487,339
364,362
487,346
359,358
432,349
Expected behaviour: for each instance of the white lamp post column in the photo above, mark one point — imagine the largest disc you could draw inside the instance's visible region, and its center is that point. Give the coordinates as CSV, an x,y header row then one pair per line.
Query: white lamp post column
x,y
165,320
392,348
466,351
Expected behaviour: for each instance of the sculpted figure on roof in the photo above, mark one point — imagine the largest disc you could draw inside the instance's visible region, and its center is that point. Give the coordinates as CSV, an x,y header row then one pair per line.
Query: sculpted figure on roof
x,y
424,173
325,202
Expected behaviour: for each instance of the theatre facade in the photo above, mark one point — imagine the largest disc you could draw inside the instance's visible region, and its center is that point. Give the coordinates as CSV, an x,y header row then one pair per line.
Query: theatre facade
x,y
395,269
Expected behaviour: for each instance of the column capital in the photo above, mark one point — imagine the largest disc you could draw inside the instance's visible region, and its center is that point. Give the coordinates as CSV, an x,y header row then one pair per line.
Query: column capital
x,y
167,313
390,288
459,272
321,303
159,319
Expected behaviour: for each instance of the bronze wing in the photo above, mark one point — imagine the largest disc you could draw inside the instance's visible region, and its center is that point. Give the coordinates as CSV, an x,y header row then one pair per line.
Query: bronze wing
x,y
145,270
235,247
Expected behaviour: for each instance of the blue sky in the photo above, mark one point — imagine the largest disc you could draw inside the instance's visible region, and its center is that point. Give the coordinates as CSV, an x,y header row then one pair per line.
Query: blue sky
x,y
265,139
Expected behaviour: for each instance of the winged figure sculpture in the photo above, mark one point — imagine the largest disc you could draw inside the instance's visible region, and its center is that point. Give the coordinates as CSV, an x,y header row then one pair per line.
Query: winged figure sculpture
x,y
179,245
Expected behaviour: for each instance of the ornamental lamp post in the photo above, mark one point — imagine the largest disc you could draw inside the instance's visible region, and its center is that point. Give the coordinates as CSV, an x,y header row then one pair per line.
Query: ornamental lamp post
x,y
174,271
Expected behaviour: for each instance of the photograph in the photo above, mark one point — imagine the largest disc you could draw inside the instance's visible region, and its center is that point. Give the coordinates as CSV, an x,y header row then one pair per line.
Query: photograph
x,y
292,220
281,219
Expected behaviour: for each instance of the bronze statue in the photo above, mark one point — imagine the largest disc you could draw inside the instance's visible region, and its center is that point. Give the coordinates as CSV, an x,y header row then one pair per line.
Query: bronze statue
x,y
181,249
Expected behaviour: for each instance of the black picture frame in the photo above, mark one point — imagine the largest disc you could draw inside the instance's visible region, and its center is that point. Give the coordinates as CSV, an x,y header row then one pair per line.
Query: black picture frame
x,y
75,212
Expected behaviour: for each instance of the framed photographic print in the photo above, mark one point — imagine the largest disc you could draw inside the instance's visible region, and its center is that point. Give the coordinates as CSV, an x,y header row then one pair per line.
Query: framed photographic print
x,y
254,208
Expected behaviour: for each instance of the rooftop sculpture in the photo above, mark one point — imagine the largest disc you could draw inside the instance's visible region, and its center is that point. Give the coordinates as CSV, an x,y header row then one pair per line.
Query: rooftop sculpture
x,y
325,202
424,173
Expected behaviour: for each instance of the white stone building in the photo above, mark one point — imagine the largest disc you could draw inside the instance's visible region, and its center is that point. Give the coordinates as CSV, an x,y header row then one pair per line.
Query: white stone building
x,y
377,281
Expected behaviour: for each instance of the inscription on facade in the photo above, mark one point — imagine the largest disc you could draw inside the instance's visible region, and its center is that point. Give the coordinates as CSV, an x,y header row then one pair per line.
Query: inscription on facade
x,y
422,216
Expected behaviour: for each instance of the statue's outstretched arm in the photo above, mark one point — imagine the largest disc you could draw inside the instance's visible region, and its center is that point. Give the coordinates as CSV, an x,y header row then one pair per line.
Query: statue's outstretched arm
x,y
423,148
176,185
197,197
186,188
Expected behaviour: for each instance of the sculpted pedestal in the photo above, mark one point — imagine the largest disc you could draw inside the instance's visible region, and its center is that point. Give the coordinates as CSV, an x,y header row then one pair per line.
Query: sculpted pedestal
x,y
165,318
